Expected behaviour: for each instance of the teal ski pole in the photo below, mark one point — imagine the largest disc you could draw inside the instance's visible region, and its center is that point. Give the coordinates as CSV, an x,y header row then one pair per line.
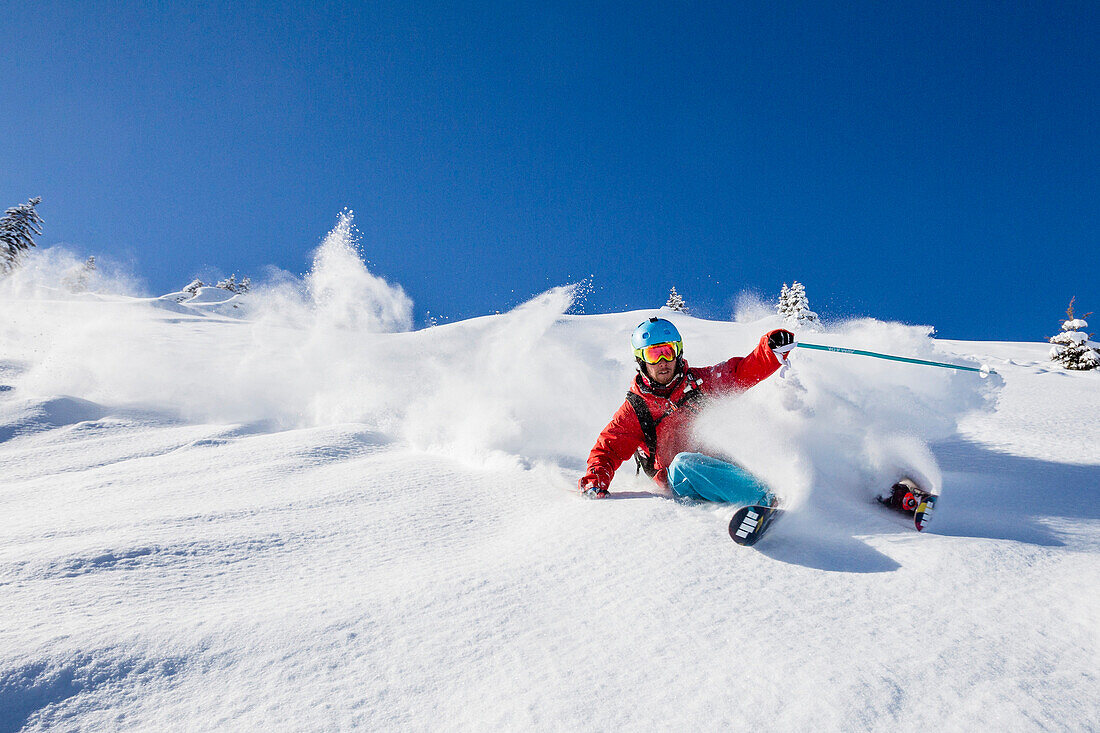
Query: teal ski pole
x,y
983,371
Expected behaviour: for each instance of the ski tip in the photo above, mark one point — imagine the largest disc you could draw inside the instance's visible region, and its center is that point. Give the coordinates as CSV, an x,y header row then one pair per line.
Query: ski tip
x,y
749,524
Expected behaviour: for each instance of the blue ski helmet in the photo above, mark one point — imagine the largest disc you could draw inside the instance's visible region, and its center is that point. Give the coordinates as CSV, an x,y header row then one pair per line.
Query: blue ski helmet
x,y
654,331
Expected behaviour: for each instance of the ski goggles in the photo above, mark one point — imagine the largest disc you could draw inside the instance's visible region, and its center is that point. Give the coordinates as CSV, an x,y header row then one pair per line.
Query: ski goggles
x,y
669,351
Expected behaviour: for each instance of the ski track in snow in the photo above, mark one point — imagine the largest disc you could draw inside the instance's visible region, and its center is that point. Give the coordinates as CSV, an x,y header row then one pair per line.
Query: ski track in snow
x,y
183,550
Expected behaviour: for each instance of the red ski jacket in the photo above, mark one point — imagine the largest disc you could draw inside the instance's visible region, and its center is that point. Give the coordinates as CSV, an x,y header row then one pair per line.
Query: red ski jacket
x,y
671,409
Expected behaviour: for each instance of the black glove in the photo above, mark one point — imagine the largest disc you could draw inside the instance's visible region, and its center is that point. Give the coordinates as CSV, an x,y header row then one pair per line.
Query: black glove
x,y
780,338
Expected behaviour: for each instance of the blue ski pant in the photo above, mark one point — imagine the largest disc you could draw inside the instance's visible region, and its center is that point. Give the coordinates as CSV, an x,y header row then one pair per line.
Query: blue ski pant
x,y
697,476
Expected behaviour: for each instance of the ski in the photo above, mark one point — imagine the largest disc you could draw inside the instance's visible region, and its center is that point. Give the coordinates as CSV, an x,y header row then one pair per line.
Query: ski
x,y
750,523
907,497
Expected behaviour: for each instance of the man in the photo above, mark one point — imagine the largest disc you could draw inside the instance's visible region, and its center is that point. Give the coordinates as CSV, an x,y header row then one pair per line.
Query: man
x,y
654,423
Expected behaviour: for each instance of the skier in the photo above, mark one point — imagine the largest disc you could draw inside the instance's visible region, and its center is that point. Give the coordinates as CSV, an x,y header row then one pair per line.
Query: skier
x,y
654,423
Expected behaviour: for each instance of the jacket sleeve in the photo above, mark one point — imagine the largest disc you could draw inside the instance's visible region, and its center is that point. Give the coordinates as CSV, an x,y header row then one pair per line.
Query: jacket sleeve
x,y
616,444
742,372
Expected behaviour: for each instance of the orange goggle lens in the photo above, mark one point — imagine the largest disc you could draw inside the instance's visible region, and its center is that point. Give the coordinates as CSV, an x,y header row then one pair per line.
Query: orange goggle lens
x,y
658,352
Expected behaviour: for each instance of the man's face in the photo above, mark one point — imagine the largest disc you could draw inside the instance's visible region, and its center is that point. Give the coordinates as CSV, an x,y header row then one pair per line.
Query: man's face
x,y
662,372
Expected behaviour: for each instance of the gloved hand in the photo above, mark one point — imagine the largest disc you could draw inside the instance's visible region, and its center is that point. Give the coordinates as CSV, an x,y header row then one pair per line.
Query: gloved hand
x,y
781,342
592,491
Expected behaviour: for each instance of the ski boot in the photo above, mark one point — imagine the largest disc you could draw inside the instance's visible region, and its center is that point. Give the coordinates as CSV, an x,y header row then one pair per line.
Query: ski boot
x,y
905,496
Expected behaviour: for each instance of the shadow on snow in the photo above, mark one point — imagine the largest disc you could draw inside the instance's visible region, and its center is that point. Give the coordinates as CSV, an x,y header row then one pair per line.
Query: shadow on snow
x,y
997,495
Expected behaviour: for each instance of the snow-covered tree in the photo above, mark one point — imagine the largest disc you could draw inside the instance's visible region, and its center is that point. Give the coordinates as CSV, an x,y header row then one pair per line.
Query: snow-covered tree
x,y
18,228
1072,348
235,286
676,302
190,290
794,307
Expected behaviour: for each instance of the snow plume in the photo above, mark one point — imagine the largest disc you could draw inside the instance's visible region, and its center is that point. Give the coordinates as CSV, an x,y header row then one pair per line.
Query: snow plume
x,y
318,350
514,384
344,292
302,346
56,272
840,420
751,306
495,383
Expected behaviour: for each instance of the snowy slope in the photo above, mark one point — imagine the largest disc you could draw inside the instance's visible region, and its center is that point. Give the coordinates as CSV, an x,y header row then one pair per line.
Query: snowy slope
x,y
293,519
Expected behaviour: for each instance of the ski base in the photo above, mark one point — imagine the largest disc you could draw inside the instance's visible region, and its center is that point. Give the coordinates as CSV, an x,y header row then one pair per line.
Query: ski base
x,y
923,515
750,523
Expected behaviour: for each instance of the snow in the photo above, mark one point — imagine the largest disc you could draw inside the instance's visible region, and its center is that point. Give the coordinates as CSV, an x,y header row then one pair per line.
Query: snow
x,y
307,516
1072,337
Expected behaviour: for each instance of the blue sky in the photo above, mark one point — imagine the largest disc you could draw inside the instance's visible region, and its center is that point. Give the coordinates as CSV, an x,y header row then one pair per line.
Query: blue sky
x,y
934,162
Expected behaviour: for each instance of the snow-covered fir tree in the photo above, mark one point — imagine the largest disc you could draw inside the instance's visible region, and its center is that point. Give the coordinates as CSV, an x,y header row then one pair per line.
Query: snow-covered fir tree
x,y
1072,348
18,228
235,286
190,290
794,307
676,302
